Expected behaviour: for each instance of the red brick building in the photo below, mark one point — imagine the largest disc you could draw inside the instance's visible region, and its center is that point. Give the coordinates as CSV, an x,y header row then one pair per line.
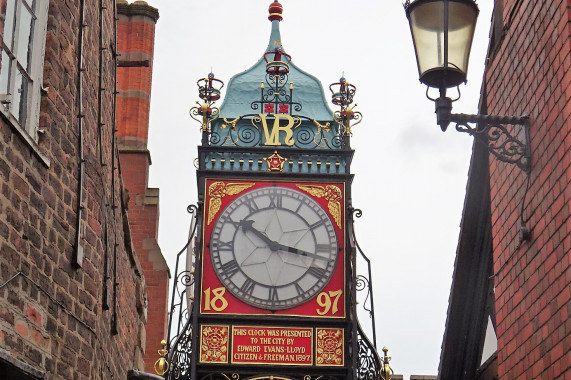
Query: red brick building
x,y
510,303
74,299
135,42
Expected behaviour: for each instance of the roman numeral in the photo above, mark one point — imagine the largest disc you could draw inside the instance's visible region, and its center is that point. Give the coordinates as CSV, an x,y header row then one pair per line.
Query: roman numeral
x,y
224,246
252,205
273,296
316,272
322,248
276,200
230,268
299,289
298,207
248,286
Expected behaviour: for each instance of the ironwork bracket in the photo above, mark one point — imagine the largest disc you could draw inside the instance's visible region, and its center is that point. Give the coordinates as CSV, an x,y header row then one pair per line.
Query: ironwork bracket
x,y
500,142
491,131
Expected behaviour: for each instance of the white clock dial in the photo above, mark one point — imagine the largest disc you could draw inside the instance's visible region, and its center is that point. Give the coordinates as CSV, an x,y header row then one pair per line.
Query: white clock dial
x,y
274,247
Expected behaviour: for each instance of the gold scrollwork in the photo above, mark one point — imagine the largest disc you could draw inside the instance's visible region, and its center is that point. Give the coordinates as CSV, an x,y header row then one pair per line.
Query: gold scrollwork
x,y
230,123
256,119
204,114
296,122
234,376
321,128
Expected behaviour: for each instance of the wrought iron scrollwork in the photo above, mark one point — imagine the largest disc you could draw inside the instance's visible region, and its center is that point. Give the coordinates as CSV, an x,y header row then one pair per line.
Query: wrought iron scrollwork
x,y
369,365
236,376
365,283
179,332
491,131
307,133
180,354
501,143
362,284
275,95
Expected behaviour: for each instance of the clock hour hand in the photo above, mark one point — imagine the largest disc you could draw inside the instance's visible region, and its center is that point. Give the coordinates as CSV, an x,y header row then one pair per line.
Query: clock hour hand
x,y
247,225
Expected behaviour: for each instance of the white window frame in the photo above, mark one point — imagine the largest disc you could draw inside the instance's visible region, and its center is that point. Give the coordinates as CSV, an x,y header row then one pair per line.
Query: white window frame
x,y
29,129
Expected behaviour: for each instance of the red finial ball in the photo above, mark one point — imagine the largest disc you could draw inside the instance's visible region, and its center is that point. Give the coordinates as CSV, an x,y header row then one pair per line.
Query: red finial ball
x,y
276,11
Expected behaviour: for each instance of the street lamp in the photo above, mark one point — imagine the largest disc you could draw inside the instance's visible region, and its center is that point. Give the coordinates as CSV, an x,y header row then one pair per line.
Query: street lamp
x,y
442,33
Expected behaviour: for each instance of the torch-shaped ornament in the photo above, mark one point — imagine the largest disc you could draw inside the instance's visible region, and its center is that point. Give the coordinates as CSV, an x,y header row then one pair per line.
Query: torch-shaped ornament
x,y
342,96
386,370
209,91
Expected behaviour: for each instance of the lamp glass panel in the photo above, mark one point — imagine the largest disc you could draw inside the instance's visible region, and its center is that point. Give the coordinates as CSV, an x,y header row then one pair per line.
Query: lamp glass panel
x,y
427,26
461,26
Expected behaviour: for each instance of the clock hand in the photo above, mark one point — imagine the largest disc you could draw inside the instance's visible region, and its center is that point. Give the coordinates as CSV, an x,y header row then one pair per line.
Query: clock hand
x,y
302,253
247,225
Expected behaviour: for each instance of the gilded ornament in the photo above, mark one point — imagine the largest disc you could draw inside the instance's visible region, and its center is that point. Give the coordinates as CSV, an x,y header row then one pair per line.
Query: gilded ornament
x,y
230,123
275,162
162,365
218,190
386,370
321,128
214,344
329,347
332,194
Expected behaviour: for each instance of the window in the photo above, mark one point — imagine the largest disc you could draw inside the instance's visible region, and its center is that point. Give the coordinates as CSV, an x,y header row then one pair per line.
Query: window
x,y
23,31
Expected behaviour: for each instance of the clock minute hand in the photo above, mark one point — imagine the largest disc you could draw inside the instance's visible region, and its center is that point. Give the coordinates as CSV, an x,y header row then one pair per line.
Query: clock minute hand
x,y
302,253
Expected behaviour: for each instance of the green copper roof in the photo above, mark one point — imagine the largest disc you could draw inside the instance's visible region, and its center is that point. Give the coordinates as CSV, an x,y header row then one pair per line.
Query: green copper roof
x,y
244,88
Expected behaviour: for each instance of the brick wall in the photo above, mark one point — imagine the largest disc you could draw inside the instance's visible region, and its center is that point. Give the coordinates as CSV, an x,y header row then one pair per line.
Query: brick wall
x,y
530,71
66,321
136,35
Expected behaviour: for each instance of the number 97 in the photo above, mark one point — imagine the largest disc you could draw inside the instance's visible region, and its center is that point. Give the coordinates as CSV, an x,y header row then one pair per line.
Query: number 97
x,y
328,301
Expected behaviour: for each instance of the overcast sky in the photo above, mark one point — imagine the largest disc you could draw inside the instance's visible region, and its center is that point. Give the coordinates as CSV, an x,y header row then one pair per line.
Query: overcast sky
x,y
410,178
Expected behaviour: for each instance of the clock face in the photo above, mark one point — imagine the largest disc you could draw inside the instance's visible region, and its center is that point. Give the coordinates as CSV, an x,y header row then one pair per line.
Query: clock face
x,y
274,247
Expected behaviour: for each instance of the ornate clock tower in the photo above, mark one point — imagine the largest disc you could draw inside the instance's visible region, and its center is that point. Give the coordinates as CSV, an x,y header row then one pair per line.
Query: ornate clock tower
x,y
272,271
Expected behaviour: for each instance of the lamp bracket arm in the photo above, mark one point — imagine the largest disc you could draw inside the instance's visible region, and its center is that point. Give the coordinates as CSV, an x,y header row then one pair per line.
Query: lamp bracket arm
x,y
499,140
489,119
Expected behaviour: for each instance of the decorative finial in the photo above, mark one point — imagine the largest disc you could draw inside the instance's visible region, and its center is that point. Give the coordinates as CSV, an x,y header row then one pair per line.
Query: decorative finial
x,y
342,96
386,371
276,11
277,61
209,91
162,365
